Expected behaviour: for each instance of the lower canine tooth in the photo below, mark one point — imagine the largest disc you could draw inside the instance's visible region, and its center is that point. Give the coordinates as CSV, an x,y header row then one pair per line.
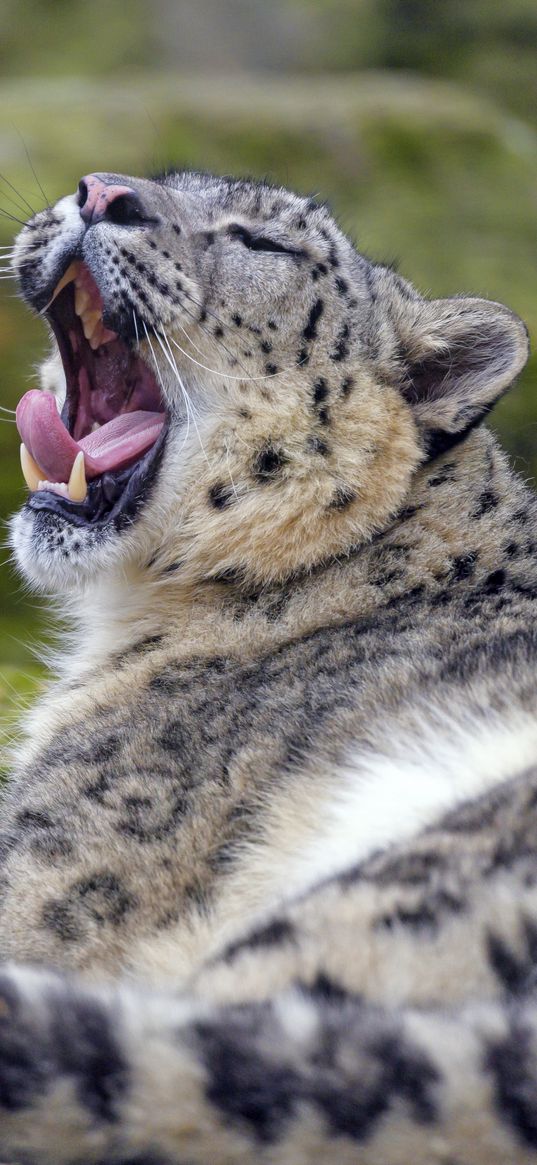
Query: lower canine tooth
x,y
31,472
77,486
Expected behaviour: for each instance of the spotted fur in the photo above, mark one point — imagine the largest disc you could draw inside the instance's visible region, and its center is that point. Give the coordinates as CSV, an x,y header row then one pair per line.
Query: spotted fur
x,y
269,842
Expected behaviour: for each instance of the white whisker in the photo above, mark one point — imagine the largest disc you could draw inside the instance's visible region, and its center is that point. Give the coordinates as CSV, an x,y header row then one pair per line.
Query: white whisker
x,y
160,377
188,400
220,343
228,375
175,369
171,360
155,361
188,403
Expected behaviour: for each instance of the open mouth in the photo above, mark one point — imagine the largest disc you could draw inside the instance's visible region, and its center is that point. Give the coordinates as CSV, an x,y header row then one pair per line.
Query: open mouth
x,y
96,460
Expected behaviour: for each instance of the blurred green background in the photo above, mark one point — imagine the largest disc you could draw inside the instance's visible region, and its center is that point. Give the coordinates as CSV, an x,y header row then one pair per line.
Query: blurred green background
x,y
417,119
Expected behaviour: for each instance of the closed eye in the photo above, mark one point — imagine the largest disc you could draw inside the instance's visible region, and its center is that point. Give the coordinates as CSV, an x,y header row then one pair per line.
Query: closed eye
x,y
260,242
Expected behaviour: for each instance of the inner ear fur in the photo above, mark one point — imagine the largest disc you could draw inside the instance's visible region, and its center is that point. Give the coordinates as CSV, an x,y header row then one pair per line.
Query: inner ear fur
x,y
458,357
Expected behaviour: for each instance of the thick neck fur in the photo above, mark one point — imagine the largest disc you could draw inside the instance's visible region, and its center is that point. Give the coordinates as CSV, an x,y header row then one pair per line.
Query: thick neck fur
x,y
453,526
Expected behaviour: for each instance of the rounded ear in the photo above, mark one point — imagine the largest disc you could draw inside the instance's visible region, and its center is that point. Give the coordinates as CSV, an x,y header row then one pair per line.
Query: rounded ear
x,y
458,357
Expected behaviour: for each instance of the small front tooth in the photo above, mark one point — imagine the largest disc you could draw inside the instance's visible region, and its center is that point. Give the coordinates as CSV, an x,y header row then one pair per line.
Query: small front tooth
x,y
82,299
89,323
57,487
77,487
31,472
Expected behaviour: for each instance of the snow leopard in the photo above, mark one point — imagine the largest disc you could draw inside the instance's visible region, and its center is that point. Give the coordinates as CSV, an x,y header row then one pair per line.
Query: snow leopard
x,y
269,844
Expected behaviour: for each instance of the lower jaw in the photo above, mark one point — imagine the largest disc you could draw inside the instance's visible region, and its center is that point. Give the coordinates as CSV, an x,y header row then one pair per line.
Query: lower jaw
x,y
113,498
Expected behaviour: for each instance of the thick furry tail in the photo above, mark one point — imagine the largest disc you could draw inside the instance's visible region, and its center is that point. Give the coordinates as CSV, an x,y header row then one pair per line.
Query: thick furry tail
x,y
119,1076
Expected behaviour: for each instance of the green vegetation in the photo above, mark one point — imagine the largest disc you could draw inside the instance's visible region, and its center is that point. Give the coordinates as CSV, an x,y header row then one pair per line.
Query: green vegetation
x,y
416,121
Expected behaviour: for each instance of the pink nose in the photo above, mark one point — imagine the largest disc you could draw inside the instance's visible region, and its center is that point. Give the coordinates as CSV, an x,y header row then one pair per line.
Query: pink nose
x,y
95,197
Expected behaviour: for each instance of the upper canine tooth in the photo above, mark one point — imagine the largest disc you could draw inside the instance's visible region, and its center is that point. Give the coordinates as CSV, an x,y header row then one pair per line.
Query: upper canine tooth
x,y
77,487
31,472
82,299
67,277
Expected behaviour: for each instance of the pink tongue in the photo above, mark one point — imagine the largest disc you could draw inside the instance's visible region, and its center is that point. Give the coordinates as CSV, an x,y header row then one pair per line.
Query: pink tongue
x,y
112,446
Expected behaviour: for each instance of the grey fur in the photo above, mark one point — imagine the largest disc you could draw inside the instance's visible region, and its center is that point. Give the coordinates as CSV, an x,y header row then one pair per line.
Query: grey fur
x,y
211,722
